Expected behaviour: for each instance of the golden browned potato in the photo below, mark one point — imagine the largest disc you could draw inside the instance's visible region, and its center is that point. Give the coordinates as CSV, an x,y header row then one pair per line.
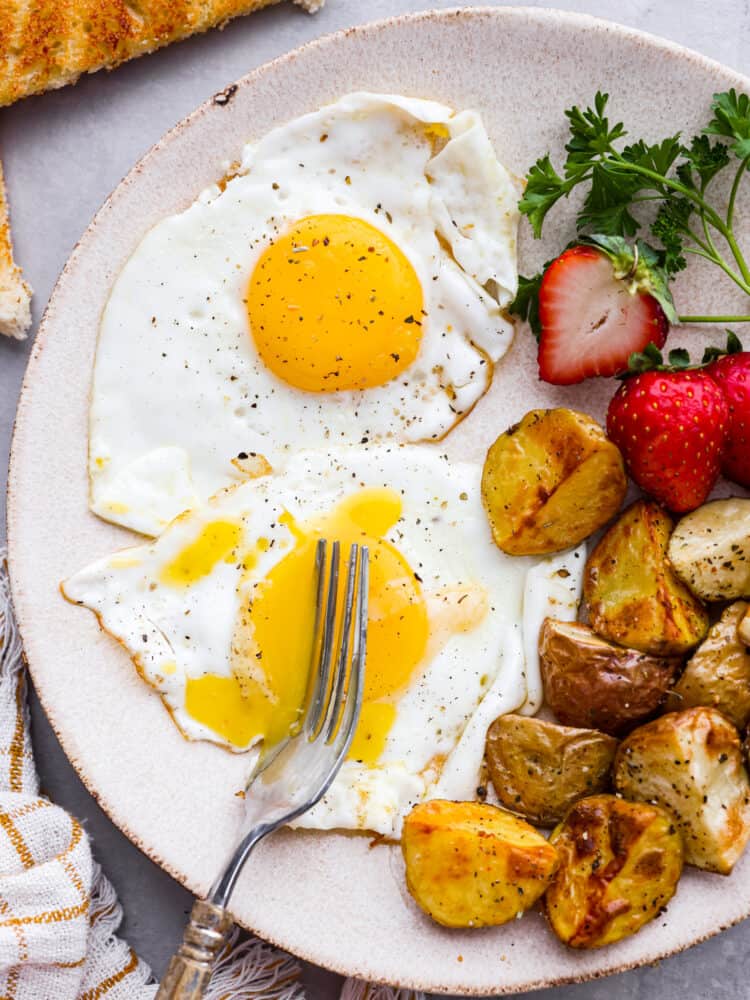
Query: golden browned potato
x,y
539,769
691,763
743,629
473,865
619,865
591,682
710,549
718,672
633,596
550,481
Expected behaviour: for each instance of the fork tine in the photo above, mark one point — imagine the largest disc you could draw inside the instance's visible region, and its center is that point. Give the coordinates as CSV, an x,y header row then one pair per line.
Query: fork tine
x,y
355,689
320,700
312,695
342,660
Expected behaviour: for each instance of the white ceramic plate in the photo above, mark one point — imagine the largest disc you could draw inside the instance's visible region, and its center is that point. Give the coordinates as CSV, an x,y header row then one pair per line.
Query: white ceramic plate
x,y
332,899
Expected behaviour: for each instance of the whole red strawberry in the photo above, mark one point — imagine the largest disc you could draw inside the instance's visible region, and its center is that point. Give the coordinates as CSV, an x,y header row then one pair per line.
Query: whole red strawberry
x,y
670,425
731,372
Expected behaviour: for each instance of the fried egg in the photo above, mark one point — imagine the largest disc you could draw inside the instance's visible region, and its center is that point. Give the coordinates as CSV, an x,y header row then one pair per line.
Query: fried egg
x,y
218,613
345,284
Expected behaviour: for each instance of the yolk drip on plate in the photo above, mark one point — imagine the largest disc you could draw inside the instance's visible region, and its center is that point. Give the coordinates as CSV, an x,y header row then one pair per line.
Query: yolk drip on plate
x,y
272,642
334,304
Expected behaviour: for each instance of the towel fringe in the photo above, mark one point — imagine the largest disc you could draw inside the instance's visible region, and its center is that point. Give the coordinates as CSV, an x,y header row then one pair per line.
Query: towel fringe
x,y
359,989
254,970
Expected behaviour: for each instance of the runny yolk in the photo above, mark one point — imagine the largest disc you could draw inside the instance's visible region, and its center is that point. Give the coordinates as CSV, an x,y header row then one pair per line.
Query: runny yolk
x,y
218,540
272,642
334,304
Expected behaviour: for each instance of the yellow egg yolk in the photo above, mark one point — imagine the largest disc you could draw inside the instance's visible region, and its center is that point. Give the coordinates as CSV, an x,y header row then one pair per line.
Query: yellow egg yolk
x,y
272,643
218,540
334,304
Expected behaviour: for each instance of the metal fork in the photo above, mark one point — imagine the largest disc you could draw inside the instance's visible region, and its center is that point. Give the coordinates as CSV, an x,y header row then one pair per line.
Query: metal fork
x,y
291,778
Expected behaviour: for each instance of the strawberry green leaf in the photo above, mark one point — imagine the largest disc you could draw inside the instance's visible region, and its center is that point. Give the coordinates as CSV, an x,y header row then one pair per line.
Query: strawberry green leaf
x,y
679,359
639,266
649,359
734,346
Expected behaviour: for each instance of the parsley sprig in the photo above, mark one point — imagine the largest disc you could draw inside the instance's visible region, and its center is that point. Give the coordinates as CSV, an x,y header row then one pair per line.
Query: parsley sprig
x,y
674,176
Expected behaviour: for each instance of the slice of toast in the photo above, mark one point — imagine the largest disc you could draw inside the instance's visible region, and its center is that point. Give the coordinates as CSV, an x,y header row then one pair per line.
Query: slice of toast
x,y
46,44
15,294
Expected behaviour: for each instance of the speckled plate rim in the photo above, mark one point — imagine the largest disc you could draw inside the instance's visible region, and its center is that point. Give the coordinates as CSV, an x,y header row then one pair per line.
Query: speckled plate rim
x,y
582,22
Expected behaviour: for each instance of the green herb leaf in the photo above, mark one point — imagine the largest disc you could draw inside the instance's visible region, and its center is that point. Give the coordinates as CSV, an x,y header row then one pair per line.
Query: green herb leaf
x,y
732,119
590,134
526,303
670,227
544,187
705,158
659,157
607,205
659,185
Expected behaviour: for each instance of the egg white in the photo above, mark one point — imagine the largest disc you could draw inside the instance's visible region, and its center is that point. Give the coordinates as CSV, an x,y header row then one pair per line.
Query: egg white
x,y
175,633
179,389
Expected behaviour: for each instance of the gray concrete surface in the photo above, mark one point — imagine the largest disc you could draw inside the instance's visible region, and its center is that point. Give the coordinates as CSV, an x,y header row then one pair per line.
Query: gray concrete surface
x,y
63,153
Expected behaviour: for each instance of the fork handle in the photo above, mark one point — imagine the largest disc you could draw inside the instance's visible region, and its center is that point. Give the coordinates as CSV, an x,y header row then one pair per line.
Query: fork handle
x,y
189,971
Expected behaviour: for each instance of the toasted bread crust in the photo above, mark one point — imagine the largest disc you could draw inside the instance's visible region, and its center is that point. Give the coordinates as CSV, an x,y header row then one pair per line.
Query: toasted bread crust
x,y
15,294
46,44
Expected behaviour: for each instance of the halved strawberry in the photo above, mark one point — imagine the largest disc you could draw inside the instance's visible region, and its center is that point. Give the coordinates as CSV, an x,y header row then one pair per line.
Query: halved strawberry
x,y
599,302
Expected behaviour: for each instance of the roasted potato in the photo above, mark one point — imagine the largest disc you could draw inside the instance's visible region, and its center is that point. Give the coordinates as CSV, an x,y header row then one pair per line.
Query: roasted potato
x,y
619,865
691,763
710,550
743,629
718,673
632,594
539,769
473,865
594,683
550,481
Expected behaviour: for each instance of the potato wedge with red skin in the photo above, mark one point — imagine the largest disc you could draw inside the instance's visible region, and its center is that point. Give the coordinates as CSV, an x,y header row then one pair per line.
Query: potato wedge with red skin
x,y
633,596
619,865
691,763
593,683
469,864
550,481
539,769
718,672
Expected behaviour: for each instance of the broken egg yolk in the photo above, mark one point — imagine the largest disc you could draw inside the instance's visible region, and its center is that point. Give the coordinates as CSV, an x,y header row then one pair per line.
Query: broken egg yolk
x,y
334,304
273,637
218,540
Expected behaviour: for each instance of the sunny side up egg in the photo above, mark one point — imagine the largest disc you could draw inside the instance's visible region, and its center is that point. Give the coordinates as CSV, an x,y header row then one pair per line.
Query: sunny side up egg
x,y
346,285
218,616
